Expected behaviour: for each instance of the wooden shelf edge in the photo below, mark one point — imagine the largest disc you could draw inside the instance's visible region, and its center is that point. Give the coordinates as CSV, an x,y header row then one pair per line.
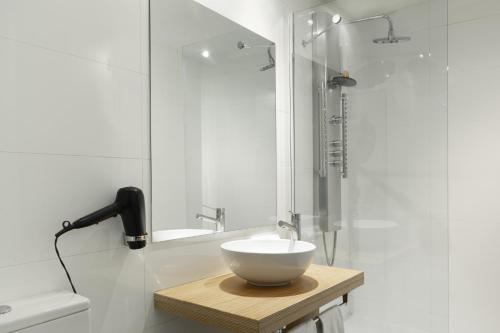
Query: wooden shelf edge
x,y
210,316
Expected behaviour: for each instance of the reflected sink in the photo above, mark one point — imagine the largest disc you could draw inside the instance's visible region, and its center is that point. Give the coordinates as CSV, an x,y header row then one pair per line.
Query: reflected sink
x,y
170,234
268,262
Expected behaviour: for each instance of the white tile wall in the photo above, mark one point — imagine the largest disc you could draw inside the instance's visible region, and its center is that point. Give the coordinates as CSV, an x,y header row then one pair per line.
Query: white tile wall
x,y
75,127
465,10
98,30
41,112
473,177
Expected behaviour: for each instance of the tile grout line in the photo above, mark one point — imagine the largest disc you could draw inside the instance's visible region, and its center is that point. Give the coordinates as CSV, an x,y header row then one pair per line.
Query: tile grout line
x,y
72,155
46,260
70,54
475,19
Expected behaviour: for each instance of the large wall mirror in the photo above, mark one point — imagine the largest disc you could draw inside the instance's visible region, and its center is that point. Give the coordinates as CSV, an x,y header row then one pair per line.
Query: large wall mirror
x,y
213,123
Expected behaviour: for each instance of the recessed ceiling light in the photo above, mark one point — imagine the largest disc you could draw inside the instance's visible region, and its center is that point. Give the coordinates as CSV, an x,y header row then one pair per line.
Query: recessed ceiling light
x,y
205,53
310,22
336,18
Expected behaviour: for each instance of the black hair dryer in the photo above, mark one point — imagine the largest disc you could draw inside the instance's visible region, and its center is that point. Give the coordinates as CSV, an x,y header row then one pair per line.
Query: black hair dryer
x,y
129,204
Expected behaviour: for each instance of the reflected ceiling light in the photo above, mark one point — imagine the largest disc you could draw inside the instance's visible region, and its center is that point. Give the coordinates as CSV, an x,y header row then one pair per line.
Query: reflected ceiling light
x,y
205,53
310,22
421,56
336,18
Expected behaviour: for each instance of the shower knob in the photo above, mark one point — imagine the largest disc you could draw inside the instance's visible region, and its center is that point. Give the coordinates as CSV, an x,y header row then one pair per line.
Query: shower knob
x,y
336,152
336,120
336,143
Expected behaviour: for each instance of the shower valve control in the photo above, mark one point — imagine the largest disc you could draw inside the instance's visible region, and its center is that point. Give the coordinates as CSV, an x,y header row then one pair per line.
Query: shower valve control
x,y
336,120
336,143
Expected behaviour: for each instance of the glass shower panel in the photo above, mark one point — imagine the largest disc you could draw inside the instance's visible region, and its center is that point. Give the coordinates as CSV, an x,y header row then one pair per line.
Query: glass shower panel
x,y
370,155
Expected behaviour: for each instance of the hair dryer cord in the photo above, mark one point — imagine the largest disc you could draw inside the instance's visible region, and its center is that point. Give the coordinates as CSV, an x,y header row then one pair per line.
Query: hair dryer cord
x,y
66,227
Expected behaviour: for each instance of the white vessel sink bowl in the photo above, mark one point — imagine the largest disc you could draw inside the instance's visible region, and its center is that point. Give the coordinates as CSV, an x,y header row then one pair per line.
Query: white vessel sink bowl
x,y
268,262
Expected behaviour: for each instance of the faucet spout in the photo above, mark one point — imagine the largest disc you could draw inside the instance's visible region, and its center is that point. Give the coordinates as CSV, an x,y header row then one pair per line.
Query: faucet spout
x,y
219,220
293,227
287,225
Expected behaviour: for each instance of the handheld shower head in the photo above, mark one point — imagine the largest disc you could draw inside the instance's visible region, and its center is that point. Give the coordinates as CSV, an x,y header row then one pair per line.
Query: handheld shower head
x,y
341,80
129,204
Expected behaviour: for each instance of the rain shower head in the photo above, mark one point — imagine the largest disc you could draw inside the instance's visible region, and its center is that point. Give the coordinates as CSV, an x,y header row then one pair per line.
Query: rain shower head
x,y
391,37
391,40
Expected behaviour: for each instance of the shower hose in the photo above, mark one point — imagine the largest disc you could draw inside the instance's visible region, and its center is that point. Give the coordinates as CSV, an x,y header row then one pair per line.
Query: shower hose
x,y
330,260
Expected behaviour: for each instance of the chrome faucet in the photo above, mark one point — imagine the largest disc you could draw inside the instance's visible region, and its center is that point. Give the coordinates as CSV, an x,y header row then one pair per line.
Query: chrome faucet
x,y
219,219
293,227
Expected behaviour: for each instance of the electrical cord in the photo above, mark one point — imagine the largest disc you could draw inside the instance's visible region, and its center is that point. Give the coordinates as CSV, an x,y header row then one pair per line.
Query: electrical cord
x,y
66,224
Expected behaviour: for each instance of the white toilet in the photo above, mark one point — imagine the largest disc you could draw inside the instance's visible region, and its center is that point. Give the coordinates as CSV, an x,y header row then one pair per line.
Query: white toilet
x,y
56,312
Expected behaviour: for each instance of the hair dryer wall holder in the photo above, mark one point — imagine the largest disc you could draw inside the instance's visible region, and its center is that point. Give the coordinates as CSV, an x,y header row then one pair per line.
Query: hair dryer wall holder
x,y
129,204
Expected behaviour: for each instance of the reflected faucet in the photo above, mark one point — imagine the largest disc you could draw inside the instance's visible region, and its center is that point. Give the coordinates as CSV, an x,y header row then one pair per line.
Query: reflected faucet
x,y
219,219
293,227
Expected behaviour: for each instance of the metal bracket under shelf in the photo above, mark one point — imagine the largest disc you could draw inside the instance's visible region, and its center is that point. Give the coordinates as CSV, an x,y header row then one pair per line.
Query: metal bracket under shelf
x,y
317,319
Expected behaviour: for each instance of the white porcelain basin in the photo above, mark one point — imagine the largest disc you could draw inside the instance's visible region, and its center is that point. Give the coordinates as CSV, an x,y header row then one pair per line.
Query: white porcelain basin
x,y
268,262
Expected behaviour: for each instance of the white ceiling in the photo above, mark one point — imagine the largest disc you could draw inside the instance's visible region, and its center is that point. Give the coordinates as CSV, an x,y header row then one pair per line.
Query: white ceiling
x,y
355,9
182,22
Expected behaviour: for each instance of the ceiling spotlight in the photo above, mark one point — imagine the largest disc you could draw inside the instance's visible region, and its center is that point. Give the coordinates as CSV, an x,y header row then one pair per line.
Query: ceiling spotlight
x,y
310,22
336,18
205,53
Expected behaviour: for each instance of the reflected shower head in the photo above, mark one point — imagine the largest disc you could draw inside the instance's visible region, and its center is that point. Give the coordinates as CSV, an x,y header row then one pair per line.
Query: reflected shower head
x,y
271,62
240,45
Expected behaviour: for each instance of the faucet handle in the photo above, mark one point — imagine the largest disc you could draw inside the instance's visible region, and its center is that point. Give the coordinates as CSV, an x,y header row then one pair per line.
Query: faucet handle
x,y
294,217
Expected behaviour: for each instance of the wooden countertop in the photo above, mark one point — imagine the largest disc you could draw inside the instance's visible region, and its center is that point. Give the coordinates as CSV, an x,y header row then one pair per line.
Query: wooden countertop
x,y
228,302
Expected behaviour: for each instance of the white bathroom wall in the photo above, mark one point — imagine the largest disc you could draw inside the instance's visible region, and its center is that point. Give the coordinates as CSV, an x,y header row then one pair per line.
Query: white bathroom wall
x,y
74,128
474,105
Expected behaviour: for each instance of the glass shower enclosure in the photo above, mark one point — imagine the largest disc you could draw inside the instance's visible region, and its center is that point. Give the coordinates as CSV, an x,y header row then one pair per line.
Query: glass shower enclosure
x,y
370,155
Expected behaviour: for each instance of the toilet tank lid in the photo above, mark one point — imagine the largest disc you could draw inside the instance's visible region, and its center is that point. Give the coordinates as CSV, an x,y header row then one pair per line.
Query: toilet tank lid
x,y
39,309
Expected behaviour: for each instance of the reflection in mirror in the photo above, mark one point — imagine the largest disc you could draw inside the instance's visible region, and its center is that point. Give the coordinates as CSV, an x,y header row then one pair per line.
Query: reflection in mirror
x,y
213,123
